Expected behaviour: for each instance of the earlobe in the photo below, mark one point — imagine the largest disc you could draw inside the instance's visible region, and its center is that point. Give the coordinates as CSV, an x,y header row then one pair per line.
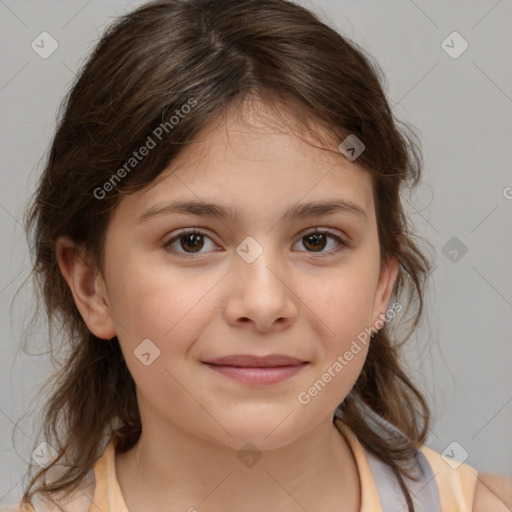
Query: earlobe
x,y
87,286
387,278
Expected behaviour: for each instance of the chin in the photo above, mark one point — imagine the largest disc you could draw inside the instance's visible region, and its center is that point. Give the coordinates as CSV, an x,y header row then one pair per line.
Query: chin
x,y
265,431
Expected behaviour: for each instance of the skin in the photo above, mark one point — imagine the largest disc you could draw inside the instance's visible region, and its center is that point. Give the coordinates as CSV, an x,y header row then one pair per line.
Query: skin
x,y
492,493
290,300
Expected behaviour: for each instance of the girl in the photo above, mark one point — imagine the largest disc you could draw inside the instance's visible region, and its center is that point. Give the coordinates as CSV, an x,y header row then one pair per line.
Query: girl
x,y
218,232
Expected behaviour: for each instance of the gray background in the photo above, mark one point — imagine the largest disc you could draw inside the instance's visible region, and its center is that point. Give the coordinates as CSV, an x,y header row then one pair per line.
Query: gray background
x,y
461,107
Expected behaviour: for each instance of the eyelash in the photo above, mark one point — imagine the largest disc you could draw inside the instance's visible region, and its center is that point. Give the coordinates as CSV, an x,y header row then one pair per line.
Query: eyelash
x,y
184,232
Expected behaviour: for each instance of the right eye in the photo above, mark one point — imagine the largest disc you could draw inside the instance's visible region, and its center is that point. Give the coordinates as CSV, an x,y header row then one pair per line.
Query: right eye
x,y
190,240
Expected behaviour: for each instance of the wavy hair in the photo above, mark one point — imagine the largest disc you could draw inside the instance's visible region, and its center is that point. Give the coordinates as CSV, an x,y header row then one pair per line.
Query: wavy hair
x,y
149,64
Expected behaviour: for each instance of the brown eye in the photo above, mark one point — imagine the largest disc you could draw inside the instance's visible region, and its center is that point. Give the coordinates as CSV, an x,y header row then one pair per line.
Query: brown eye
x,y
318,240
189,243
192,242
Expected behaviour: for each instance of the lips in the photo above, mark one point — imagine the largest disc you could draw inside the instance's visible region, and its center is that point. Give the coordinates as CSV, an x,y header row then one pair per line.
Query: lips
x,y
256,370
250,361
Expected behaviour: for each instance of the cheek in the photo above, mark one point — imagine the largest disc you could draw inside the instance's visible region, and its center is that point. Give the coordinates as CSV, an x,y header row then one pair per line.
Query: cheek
x,y
344,301
148,299
346,305
155,304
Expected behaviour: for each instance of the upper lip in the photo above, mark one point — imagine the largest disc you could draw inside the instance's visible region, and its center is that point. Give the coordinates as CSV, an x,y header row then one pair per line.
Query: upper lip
x,y
250,361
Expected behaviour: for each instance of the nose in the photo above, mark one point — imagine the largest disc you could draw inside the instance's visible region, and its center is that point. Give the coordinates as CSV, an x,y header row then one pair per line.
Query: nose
x,y
260,294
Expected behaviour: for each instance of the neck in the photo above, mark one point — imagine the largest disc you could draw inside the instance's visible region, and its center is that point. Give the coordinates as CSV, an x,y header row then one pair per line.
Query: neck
x,y
169,465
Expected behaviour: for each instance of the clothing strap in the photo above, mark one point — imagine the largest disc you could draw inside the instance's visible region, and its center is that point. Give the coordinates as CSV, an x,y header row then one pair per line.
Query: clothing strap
x,y
423,491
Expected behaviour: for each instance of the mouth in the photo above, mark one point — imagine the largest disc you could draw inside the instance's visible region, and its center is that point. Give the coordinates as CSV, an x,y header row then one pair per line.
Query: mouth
x,y
256,370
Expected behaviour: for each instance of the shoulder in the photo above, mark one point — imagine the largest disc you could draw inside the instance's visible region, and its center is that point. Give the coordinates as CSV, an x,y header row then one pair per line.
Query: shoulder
x,y
455,481
461,485
493,492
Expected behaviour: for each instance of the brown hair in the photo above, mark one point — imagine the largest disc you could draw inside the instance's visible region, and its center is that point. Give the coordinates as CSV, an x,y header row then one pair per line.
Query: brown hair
x,y
212,54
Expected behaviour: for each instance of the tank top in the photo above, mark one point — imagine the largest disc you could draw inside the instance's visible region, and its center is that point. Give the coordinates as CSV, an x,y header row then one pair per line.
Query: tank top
x,y
442,487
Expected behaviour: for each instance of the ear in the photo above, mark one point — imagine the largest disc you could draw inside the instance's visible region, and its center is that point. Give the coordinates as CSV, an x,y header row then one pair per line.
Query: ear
x,y
385,285
87,286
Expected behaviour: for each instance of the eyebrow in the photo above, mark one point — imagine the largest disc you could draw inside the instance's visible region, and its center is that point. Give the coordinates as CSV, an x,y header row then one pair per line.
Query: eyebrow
x,y
215,210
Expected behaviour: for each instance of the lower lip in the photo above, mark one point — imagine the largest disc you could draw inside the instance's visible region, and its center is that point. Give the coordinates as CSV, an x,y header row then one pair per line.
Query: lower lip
x,y
258,376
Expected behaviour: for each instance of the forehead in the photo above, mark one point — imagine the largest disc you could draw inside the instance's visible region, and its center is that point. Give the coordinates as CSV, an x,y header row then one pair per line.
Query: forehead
x,y
256,166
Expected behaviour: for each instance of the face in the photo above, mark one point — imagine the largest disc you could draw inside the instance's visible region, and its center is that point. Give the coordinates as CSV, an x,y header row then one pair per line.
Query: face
x,y
256,275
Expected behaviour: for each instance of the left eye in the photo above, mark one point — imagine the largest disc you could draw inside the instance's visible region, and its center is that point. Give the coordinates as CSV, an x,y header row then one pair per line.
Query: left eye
x,y
192,241
318,240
